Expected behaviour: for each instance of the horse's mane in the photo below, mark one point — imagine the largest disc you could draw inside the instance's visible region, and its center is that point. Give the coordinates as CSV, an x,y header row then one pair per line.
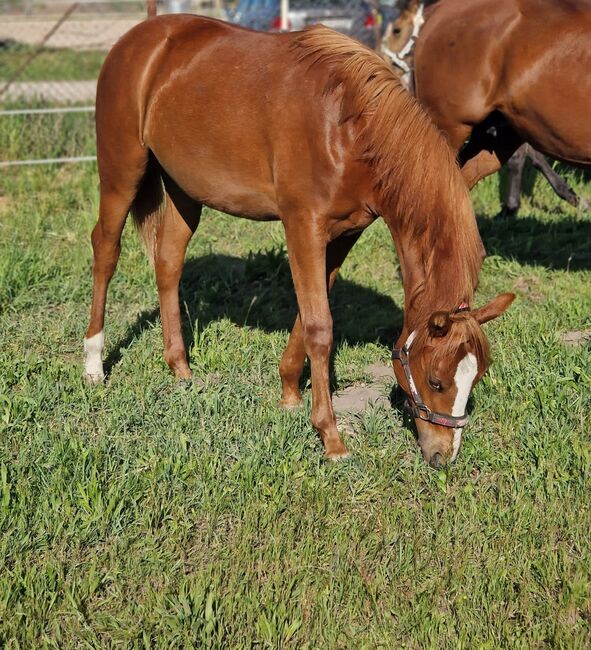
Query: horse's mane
x,y
423,195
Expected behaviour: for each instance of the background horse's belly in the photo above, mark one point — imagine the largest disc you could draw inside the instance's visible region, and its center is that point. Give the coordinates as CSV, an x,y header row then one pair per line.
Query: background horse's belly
x,y
547,93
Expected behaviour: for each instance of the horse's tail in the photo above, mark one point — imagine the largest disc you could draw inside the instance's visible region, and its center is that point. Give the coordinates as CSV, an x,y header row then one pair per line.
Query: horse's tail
x,y
148,206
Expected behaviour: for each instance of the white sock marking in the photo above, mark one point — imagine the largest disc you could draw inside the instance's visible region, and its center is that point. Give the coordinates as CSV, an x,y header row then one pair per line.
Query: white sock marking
x,y
465,373
93,357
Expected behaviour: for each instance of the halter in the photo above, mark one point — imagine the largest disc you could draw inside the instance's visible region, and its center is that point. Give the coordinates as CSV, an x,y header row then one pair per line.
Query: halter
x,y
398,58
417,408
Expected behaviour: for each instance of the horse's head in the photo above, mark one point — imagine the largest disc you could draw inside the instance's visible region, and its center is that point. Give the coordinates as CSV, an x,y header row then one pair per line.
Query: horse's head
x,y
437,366
400,30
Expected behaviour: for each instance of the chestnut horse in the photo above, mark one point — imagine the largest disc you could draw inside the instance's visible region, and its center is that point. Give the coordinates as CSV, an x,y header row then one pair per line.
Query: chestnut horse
x,y
402,35
505,72
313,129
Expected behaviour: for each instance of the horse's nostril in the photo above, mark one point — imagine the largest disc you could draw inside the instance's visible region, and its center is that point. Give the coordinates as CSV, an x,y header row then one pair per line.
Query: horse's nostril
x,y
436,460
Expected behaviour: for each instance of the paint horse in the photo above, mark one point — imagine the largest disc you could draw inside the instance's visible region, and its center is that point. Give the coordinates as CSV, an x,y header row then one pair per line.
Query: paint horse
x,y
315,130
400,39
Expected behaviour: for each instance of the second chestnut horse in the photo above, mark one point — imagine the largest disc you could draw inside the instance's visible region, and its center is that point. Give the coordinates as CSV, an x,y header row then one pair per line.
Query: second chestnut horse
x,y
505,72
313,129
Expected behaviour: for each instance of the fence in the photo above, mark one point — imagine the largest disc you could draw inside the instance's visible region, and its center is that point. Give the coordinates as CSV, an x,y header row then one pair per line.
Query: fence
x,y
51,53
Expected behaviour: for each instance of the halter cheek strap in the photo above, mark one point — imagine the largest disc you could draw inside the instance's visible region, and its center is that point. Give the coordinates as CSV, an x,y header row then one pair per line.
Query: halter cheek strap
x,y
417,408
398,58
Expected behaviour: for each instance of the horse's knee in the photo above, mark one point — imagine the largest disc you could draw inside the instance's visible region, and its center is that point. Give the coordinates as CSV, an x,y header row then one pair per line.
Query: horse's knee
x,y
168,273
318,337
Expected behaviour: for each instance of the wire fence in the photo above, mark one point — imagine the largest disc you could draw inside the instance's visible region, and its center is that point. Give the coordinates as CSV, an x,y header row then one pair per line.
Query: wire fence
x,y
51,53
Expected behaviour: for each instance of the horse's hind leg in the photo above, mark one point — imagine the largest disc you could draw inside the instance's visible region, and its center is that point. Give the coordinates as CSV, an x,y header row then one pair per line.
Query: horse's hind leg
x,y
119,178
294,357
180,221
558,184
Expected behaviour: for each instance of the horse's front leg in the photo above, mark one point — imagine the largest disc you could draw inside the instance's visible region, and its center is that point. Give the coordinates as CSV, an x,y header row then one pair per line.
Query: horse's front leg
x,y
306,247
512,196
294,357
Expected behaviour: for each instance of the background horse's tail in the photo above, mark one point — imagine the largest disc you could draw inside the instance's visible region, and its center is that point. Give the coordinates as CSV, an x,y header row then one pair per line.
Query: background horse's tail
x,y
148,206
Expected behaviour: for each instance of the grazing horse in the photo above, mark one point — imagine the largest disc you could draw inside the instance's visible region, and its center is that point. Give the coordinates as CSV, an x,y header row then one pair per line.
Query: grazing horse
x,y
505,72
401,36
313,129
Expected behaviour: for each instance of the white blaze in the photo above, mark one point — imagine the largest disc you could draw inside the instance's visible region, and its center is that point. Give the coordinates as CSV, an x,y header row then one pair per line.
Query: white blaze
x,y
93,357
465,374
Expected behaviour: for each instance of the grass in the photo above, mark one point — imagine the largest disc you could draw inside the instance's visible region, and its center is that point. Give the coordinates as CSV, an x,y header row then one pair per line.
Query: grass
x,y
152,513
57,64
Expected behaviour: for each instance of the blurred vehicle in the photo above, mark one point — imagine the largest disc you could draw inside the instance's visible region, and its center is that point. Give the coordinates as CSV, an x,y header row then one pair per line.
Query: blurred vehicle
x,y
356,18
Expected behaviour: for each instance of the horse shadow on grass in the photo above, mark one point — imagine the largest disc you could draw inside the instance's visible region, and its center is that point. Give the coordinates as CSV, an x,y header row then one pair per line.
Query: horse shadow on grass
x,y
257,291
564,244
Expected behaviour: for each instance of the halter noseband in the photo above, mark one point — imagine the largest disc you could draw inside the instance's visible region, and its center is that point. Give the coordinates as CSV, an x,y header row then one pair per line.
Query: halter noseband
x,y
417,408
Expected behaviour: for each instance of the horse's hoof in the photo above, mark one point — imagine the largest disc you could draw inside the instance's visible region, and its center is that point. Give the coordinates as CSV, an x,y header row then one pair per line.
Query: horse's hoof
x,y
336,451
290,405
184,373
94,379
336,457
508,212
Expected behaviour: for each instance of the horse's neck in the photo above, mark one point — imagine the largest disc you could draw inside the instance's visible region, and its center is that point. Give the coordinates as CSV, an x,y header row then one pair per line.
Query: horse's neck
x,y
431,287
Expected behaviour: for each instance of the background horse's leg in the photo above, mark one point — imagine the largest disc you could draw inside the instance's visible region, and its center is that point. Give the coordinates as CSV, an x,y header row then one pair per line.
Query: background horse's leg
x,y
294,357
120,175
306,247
512,196
180,221
559,185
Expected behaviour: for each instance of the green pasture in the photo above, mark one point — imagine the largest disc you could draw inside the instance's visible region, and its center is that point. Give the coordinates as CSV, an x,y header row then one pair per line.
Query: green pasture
x,y
152,513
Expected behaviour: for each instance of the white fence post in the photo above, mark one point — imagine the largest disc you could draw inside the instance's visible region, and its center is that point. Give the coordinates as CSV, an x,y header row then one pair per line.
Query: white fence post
x,y
284,26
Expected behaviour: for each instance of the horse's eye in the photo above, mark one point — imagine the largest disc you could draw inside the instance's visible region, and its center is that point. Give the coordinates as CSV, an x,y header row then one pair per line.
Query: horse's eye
x,y
396,30
435,385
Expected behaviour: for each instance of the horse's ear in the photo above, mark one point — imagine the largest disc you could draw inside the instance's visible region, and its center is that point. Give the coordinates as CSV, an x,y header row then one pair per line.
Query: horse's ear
x,y
439,323
495,308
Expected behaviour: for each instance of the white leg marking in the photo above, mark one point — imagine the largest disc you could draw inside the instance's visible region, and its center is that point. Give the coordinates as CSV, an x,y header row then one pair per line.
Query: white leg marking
x,y
93,358
465,373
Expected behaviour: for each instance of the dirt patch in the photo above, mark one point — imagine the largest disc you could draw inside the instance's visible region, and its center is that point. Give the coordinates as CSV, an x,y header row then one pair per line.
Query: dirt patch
x,y
4,202
576,338
355,399
529,288
380,372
